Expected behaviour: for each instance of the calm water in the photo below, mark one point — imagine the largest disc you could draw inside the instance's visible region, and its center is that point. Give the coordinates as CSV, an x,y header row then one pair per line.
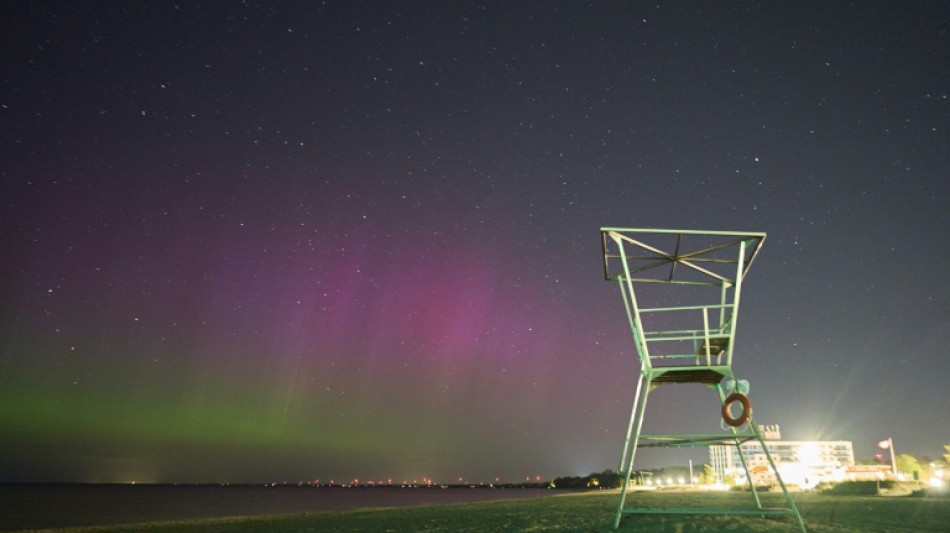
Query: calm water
x,y
56,506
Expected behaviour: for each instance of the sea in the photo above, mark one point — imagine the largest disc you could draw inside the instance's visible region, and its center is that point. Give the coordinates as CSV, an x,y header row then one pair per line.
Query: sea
x,y
53,506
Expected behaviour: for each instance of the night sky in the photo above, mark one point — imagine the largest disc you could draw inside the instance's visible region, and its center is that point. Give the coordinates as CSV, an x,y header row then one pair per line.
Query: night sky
x,y
333,240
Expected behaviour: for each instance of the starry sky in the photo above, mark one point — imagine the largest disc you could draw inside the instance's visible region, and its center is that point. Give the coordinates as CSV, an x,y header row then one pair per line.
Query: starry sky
x,y
284,241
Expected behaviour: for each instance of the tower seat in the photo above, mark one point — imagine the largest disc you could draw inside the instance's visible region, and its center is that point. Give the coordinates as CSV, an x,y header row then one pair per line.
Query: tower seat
x,y
716,346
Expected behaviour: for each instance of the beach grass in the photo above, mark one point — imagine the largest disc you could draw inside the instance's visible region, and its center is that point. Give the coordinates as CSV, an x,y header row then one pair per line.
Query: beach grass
x,y
590,512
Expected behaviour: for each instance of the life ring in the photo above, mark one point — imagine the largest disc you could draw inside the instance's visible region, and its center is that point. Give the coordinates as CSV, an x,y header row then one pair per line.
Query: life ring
x,y
743,416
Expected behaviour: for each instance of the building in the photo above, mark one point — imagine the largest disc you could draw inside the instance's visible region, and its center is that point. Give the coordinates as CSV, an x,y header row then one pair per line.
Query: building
x,y
800,463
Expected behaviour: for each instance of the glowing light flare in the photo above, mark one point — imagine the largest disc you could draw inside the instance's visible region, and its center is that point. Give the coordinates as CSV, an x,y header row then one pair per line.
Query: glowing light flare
x,y
809,455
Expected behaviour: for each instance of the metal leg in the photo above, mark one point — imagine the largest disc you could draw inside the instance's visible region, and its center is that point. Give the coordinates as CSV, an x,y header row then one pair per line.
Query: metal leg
x,y
630,447
755,493
768,456
633,414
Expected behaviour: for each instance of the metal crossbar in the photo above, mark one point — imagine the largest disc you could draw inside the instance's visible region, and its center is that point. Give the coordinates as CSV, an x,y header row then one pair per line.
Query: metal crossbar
x,y
760,511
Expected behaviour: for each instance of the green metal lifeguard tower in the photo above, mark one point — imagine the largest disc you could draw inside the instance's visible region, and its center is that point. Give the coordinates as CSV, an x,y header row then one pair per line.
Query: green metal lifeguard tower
x,y
692,280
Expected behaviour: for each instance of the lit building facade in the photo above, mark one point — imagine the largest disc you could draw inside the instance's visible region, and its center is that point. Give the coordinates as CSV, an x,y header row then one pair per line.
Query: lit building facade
x,y
801,463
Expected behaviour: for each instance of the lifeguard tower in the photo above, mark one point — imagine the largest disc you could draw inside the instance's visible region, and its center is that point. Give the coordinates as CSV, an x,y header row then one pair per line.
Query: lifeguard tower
x,y
692,281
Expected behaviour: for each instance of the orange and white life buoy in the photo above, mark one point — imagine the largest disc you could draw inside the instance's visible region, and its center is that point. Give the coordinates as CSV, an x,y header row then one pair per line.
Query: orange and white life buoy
x,y
743,416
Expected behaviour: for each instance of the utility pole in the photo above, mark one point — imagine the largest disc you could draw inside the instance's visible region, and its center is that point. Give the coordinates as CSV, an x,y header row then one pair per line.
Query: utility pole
x,y
889,446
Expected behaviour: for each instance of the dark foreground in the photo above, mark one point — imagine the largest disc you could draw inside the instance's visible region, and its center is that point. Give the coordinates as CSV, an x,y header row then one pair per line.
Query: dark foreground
x,y
592,512
59,506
